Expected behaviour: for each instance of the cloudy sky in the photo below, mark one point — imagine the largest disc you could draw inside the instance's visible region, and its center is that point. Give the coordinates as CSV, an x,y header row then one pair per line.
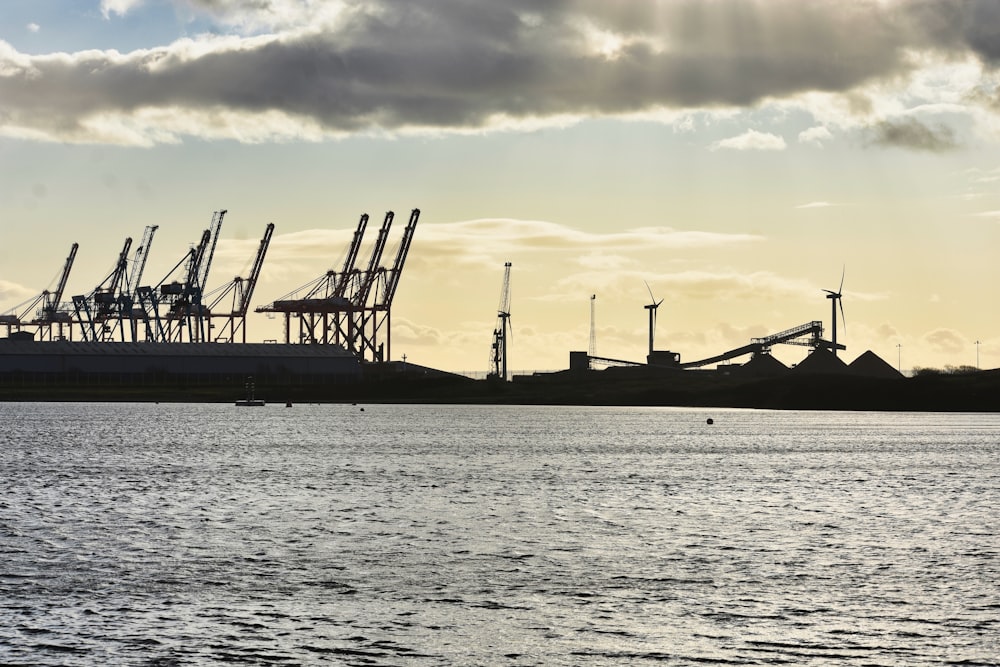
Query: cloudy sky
x,y
738,156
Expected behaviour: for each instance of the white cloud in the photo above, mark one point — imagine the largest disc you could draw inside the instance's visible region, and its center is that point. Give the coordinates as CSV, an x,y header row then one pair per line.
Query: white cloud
x,y
119,7
15,295
815,204
475,65
815,135
33,27
751,140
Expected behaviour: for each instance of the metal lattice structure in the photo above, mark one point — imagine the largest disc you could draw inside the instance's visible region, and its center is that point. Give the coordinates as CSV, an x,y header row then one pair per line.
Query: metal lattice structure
x,y
351,308
498,350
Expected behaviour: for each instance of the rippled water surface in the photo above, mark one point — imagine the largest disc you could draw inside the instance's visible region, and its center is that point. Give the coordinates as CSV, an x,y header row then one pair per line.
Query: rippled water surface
x,y
440,535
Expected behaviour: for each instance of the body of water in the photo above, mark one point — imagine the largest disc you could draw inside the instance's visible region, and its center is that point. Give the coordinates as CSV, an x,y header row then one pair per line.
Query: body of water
x,y
144,534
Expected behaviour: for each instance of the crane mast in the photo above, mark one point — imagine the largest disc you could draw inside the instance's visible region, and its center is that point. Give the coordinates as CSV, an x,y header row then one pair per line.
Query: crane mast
x,y
352,257
397,267
52,303
500,333
139,262
242,291
206,260
360,299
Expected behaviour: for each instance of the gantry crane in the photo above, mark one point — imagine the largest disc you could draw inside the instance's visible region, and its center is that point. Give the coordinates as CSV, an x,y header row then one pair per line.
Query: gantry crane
x,y
181,301
498,351
241,291
98,313
46,308
351,308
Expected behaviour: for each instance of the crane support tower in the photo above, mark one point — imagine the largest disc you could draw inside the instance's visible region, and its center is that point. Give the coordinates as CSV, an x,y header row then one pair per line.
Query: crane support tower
x,y
498,350
351,308
241,291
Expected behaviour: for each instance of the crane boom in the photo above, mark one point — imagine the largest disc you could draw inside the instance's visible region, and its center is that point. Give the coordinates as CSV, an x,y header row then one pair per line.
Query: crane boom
x,y
139,262
206,259
361,298
196,257
258,262
504,308
352,256
118,275
397,267
51,304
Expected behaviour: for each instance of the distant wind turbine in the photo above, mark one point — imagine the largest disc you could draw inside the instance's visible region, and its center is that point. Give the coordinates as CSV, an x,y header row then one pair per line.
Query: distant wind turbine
x,y
651,307
835,299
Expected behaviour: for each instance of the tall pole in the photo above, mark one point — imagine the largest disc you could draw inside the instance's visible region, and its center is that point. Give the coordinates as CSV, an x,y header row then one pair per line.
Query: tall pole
x,y
977,355
899,357
593,332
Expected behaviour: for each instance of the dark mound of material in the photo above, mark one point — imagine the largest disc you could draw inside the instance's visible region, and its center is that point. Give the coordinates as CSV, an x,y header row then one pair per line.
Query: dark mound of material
x,y
762,365
821,362
871,365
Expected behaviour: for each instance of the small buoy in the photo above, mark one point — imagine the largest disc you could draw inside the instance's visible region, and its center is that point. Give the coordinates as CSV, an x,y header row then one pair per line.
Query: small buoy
x,y
288,404
362,409
709,421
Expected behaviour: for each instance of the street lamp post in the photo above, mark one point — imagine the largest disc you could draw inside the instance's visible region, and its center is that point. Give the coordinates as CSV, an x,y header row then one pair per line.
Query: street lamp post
x,y
977,354
899,357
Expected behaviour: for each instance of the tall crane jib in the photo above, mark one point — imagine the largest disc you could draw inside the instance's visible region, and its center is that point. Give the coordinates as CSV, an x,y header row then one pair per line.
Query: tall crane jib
x,y
131,305
347,272
241,292
498,350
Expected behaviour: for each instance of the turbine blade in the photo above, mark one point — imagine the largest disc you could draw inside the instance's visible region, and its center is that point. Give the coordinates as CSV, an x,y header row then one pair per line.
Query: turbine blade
x,y
843,272
651,297
843,318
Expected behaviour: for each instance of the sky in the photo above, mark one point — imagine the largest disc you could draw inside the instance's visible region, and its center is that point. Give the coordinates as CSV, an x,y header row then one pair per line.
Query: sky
x,y
733,158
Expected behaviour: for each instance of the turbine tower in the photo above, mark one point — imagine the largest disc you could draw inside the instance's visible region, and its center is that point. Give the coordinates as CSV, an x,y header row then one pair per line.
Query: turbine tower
x,y
834,301
651,307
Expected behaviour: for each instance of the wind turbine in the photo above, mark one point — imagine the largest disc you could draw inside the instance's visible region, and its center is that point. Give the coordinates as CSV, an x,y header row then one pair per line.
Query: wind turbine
x,y
651,307
834,300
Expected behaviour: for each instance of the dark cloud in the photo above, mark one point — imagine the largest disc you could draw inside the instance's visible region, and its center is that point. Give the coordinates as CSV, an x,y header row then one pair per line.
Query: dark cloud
x,y
455,64
914,134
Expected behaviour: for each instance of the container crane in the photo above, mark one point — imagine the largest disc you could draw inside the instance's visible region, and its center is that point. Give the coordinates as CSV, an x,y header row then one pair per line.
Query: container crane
x,y
130,293
98,313
50,312
349,308
498,358
241,291
45,307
